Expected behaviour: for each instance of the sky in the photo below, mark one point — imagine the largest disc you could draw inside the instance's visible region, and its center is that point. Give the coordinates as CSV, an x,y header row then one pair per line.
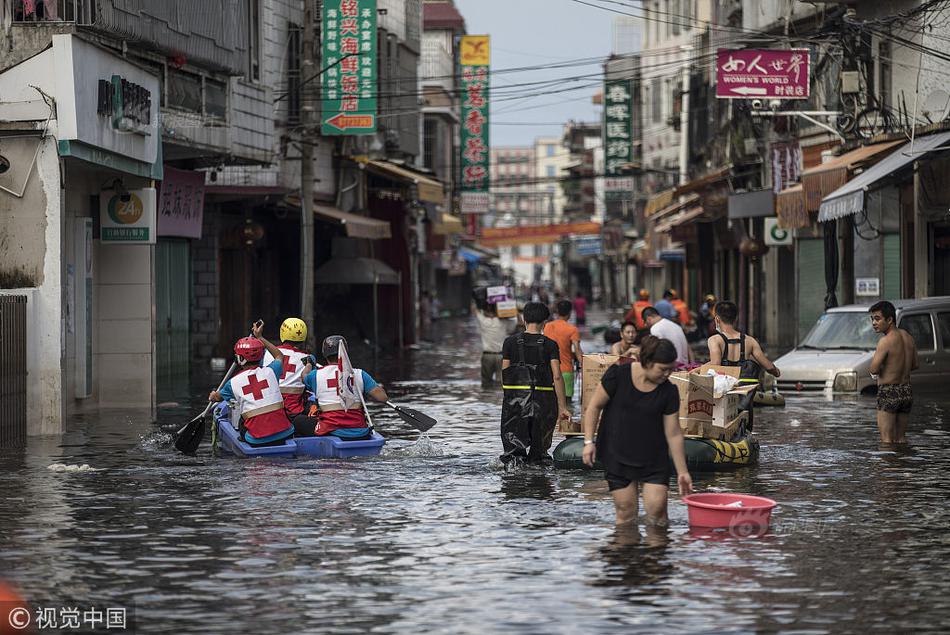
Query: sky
x,y
538,32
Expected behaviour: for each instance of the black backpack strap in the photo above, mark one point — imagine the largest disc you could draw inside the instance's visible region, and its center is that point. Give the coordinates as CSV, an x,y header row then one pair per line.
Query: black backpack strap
x,y
741,347
520,343
725,346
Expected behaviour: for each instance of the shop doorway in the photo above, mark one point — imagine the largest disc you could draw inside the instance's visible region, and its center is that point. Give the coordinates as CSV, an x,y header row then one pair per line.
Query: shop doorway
x,y
172,317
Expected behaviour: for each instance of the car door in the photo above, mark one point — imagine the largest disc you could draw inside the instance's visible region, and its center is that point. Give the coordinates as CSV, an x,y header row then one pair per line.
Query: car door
x,y
921,327
943,346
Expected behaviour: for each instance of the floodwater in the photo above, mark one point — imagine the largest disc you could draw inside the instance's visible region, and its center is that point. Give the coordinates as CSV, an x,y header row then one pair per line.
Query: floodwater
x,y
435,536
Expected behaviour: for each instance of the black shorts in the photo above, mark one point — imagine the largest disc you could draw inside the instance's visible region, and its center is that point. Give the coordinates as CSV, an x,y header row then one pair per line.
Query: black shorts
x,y
653,475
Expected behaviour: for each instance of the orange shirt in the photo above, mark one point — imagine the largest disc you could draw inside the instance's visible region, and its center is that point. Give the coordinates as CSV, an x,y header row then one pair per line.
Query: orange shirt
x,y
682,310
562,332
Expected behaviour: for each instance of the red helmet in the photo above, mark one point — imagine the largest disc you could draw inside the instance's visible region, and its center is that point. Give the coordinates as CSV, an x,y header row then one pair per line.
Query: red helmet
x,y
250,349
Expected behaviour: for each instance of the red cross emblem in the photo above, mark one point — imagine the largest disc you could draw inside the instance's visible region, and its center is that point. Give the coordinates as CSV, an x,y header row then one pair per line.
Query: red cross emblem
x,y
256,387
288,366
333,382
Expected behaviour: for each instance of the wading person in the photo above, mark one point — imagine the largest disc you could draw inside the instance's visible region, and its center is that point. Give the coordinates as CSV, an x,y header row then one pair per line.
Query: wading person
x,y
626,347
568,340
256,391
335,414
493,330
668,330
666,309
533,390
893,361
639,432
634,314
730,347
293,332
580,309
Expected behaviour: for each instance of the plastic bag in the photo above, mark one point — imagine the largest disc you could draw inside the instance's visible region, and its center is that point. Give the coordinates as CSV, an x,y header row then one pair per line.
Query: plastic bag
x,y
722,383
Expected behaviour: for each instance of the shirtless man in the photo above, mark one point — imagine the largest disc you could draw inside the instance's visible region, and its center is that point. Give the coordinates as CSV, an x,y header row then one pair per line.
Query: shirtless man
x,y
893,361
729,347
626,347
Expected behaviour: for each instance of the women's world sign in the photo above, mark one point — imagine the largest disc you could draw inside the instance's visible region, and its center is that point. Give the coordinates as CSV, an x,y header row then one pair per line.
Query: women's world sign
x,y
762,74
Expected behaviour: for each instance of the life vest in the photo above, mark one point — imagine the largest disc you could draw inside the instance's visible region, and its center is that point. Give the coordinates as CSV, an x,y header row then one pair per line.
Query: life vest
x,y
257,392
682,310
291,382
635,314
328,380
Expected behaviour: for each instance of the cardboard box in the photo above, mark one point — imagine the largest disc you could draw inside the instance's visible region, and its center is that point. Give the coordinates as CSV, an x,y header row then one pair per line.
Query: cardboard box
x,y
696,395
722,370
507,309
593,368
708,430
570,428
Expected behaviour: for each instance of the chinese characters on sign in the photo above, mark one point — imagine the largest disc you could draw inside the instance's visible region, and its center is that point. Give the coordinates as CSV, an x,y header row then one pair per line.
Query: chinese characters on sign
x,y
127,217
181,197
475,145
618,137
762,73
348,34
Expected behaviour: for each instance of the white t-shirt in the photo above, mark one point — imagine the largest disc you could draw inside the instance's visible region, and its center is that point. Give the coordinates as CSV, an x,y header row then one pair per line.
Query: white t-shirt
x,y
494,331
668,330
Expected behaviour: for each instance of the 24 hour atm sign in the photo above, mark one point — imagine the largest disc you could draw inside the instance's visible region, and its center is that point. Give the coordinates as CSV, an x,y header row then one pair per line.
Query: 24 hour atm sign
x,y
762,74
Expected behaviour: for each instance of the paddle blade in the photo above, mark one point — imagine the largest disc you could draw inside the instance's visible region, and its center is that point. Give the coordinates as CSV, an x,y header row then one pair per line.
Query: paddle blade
x,y
189,438
413,417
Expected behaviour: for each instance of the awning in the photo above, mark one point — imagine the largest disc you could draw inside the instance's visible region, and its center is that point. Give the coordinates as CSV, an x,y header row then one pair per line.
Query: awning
x,y
448,225
355,271
849,199
821,180
679,219
662,215
356,226
658,202
790,208
704,181
430,189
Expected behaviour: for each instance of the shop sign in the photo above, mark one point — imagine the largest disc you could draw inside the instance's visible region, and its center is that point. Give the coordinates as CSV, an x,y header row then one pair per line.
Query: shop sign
x,y
588,246
776,236
349,86
127,104
181,199
762,73
127,217
474,53
867,287
618,128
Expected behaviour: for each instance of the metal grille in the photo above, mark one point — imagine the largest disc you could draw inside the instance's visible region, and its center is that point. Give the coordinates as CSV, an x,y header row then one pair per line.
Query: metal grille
x,y
12,371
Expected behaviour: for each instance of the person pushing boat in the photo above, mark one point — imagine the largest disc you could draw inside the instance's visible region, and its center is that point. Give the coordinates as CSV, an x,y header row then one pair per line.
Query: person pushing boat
x,y
255,389
293,332
340,392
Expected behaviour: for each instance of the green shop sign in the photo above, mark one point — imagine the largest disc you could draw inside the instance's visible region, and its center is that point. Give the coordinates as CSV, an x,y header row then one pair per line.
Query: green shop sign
x,y
349,80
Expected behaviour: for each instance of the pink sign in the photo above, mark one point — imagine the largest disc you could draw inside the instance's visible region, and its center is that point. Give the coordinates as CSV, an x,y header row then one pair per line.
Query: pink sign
x,y
762,74
181,202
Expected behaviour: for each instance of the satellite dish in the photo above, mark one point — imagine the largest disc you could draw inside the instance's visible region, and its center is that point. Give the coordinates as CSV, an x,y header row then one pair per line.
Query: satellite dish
x,y
935,106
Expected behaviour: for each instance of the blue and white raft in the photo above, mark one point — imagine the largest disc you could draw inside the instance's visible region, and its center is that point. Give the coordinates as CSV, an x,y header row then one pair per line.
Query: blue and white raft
x,y
326,447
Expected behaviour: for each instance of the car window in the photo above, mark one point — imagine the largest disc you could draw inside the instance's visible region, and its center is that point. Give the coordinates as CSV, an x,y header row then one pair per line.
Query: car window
x,y
943,323
921,329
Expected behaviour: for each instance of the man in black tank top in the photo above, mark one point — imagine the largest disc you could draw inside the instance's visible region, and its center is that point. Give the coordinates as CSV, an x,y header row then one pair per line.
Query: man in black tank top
x,y
729,347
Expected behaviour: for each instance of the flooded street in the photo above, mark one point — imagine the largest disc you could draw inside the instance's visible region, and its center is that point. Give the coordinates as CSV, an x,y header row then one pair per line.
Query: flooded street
x,y
434,535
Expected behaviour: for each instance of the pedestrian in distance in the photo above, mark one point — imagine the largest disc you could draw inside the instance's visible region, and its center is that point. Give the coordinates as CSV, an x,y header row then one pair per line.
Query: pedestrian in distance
x,y
493,330
893,361
638,411
568,340
705,320
293,335
627,346
634,314
666,309
682,310
533,386
580,309
667,329
255,390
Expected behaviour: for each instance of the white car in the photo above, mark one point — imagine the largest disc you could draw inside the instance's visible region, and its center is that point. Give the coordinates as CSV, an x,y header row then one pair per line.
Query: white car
x,y
836,354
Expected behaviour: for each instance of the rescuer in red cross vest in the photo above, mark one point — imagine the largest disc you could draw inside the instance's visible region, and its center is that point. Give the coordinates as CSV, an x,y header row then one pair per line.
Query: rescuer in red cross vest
x,y
256,390
293,331
334,415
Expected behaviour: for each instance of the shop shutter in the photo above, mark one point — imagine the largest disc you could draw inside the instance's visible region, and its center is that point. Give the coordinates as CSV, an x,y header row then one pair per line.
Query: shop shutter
x,y
891,280
172,315
811,283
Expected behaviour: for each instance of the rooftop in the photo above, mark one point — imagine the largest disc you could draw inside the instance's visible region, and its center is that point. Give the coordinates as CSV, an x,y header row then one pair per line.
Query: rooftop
x,y
442,15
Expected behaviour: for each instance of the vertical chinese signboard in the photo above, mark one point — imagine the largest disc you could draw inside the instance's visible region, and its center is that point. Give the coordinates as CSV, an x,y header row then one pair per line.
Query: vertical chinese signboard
x,y
474,52
349,87
618,137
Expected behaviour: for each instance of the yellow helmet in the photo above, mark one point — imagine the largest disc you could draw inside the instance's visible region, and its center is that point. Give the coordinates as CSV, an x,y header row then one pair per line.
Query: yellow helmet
x,y
293,330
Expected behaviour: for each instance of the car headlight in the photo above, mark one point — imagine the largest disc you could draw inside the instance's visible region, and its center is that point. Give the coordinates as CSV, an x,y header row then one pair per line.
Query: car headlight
x,y
846,382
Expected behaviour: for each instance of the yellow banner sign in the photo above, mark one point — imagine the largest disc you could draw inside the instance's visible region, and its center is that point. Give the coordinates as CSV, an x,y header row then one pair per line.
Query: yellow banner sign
x,y
474,50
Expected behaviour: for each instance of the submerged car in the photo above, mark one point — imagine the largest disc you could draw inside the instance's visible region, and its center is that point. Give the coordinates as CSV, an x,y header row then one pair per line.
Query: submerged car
x,y
836,354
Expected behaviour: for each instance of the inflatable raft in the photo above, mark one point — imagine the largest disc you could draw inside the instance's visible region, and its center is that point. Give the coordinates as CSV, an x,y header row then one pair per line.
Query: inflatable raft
x,y
773,398
326,447
702,455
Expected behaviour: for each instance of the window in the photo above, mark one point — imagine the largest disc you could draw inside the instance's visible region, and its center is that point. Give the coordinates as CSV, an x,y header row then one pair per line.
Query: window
x,y
675,16
216,99
254,40
943,320
184,90
551,150
293,74
921,329
667,98
657,100
551,171
884,71
429,136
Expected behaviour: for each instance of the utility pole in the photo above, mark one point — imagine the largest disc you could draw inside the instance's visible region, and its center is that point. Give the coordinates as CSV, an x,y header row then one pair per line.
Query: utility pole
x,y
307,112
684,117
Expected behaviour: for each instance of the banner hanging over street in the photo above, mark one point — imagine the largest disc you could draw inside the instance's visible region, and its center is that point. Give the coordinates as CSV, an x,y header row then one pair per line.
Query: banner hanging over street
x,y
475,59
348,34
762,74
535,234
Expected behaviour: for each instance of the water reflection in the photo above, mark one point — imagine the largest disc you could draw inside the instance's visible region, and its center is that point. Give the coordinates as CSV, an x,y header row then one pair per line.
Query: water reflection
x,y
634,560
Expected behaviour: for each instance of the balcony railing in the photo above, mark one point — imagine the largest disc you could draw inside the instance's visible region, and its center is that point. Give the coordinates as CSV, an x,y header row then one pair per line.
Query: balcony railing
x,y
53,11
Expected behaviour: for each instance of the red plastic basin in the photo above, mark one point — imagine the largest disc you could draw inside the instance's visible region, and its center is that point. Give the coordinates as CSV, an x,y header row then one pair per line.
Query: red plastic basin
x,y
714,511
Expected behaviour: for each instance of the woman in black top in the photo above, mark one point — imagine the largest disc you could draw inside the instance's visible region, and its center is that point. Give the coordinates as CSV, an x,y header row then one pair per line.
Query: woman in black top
x,y
638,432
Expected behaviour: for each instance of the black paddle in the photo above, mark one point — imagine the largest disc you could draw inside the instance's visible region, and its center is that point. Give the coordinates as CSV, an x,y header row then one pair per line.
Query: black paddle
x,y
190,436
413,417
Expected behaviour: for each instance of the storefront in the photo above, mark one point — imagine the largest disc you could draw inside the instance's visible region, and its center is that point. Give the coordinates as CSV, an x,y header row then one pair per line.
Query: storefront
x,y
79,217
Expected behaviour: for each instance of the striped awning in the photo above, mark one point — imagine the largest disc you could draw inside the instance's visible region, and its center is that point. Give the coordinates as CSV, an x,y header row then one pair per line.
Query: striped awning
x,y
790,208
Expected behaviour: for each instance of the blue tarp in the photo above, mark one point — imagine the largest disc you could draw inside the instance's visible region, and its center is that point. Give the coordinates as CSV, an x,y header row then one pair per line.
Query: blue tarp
x,y
470,256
